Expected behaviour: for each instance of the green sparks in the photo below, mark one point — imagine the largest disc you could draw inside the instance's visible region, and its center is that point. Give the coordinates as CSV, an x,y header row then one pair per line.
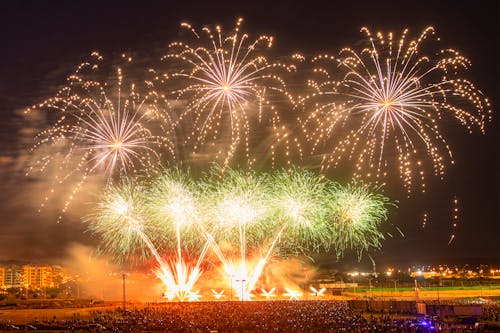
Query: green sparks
x,y
296,209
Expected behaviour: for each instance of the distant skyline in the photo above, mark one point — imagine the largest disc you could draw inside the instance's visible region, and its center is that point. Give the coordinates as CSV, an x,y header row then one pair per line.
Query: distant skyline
x,y
44,41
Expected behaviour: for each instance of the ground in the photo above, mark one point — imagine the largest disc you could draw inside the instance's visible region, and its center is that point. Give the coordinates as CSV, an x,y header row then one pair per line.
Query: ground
x,y
18,316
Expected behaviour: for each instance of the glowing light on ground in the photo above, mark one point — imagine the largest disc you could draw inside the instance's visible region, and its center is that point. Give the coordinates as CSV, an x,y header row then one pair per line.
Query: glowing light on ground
x,y
317,293
268,294
293,295
218,295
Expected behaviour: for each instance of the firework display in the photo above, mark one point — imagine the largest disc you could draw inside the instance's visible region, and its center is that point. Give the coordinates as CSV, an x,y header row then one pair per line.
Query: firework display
x,y
119,219
235,213
390,98
100,127
354,216
227,83
223,100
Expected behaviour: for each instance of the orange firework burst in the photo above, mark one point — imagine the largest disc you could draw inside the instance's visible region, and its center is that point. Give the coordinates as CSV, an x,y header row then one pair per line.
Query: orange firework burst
x,y
99,127
225,81
393,96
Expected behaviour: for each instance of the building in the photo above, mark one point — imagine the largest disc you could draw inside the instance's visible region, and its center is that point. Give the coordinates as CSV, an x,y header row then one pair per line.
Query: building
x,y
13,276
2,277
35,277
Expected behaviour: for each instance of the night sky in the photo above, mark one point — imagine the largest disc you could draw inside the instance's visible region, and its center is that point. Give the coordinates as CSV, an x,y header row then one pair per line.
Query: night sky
x,y
42,41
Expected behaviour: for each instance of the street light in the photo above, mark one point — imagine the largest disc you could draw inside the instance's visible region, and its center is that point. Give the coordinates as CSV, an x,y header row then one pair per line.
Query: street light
x,y
242,283
124,276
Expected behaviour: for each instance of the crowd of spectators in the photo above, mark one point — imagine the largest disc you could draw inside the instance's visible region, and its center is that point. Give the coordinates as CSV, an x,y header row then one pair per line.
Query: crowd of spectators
x,y
275,316
491,312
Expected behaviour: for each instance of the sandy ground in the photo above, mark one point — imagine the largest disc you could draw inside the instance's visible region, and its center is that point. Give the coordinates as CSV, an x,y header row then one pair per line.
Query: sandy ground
x,y
26,315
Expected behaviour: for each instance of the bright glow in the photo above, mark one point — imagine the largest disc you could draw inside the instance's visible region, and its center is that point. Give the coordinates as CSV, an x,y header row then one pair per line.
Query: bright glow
x,y
120,206
218,295
268,294
241,281
179,279
194,296
236,210
317,293
293,295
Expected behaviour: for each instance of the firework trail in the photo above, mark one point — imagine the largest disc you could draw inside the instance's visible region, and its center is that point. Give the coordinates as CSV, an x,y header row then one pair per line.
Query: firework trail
x,y
125,224
236,213
291,209
454,224
227,81
99,128
172,204
393,97
425,219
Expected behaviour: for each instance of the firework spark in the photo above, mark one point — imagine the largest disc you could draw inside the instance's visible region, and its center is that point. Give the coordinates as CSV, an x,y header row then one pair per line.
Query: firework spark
x,y
179,278
297,198
172,203
454,223
119,220
226,80
98,128
236,214
125,223
425,219
236,207
393,97
354,217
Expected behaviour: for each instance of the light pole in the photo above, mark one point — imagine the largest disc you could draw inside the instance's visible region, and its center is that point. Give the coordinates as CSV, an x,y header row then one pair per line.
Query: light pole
x,y
242,282
124,276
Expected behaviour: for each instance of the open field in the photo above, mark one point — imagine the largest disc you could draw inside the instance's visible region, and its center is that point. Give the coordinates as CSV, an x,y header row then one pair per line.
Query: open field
x,y
20,316
427,294
448,288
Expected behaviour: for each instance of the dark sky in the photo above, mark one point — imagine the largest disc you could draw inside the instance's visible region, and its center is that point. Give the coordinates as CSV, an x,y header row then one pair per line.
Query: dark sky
x,y
42,41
